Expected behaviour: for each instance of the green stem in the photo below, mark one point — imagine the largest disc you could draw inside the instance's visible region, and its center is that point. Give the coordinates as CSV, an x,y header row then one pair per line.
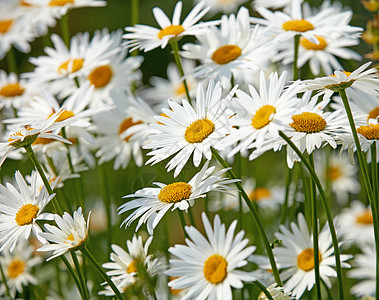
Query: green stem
x,y
72,272
80,275
255,214
263,289
65,29
366,179
239,174
97,266
107,202
286,196
175,49
33,158
295,58
4,280
192,219
375,182
315,232
326,209
182,221
11,61
134,8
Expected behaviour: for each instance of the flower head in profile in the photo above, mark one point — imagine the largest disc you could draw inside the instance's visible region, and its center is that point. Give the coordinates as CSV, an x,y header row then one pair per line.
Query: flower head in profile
x,y
124,267
71,233
17,266
364,80
146,38
296,257
187,130
151,204
208,267
20,209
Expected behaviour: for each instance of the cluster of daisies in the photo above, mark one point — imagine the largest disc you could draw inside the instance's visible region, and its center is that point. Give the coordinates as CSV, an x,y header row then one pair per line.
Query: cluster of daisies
x,y
231,108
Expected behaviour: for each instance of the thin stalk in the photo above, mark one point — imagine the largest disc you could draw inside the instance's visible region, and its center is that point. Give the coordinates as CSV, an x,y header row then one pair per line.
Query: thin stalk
x,y
182,221
65,29
80,275
296,56
58,279
134,8
72,272
307,206
239,174
255,214
315,232
11,61
326,209
374,172
144,275
286,196
192,219
175,50
4,280
33,158
366,179
98,268
263,289
107,202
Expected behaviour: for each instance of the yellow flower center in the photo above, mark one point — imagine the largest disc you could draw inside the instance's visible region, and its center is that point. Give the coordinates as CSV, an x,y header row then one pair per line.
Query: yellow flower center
x,y
345,72
372,114
15,268
297,25
5,25
101,76
370,131
307,44
226,54
170,30
132,268
11,90
180,89
60,2
263,116
71,238
305,260
26,214
175,192
259,194
65,114
199,130
75,65
127,123
215,269
43,141
334,173
25,4
365,218
308,122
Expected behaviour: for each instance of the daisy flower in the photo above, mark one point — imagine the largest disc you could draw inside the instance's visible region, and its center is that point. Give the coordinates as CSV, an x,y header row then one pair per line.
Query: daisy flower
x,y
71,233
340,173
276,292
124,265
185,129
364,80
62,64
20,209
151,204
285,26
261,113
147,38
17,266
296,257
172,87
356,224
322,56
208,267
123,130
312,127
223,6
28,134
365,271
229,51
13,92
